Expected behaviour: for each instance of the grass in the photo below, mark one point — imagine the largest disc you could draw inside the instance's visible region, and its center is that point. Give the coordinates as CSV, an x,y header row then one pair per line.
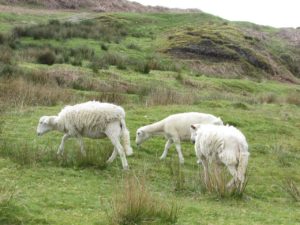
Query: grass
x,y
265,201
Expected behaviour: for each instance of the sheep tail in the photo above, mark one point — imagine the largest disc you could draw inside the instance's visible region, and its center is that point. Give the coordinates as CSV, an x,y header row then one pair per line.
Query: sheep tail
x,y
243,162
125,138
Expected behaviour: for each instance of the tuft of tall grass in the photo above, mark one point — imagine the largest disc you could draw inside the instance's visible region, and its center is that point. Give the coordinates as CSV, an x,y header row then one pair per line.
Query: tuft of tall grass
x,y
282,155
217,181
292,189
136,205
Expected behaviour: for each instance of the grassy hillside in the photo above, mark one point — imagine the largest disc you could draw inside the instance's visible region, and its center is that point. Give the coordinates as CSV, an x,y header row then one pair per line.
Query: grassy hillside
x,y
153,65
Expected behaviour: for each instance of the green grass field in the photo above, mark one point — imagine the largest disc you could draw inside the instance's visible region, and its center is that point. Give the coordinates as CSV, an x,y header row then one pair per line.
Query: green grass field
x,y
42,188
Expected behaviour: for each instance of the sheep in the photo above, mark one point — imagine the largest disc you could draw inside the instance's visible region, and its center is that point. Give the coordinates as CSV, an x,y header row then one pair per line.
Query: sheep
x,y
223,145
175,128
94,120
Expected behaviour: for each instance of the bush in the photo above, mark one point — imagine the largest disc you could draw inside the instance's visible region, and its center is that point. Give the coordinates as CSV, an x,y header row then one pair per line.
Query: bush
x,y
104,47
47,57
141,66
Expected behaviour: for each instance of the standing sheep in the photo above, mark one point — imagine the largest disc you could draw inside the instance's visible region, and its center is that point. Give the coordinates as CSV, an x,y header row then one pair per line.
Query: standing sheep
x,y
223,145
94,120
175,128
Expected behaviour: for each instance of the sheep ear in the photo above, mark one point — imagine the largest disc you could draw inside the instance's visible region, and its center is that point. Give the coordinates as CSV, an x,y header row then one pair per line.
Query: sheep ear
x,y
193,127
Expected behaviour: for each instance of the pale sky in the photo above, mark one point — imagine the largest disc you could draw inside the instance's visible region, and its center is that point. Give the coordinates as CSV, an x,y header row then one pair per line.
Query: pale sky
x,y
276,13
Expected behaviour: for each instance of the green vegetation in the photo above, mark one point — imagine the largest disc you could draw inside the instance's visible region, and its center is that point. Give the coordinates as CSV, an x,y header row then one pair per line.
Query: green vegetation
x,y
130,59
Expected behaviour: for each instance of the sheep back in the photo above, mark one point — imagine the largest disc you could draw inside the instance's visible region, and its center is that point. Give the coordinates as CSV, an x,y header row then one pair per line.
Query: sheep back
x,y
90,116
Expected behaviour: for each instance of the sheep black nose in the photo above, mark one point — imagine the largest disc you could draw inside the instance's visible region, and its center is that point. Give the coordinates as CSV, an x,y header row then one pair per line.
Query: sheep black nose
x,y
193,142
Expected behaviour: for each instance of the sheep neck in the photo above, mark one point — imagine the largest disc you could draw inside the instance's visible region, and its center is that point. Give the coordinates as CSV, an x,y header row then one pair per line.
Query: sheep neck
x,y
58,126
155,128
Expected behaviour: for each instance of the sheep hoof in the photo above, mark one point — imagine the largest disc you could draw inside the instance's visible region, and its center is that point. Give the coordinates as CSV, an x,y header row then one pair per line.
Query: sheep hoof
x,y
181,161
162,157
59,153
125,168
109,161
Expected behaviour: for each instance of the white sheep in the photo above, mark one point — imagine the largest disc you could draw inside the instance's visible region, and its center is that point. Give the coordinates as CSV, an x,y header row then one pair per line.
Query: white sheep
x,y
223,145
94,120
175,128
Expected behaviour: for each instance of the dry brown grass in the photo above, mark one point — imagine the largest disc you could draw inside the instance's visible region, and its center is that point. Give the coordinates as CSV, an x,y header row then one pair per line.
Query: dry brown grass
x,y
137,205
293,98
166,96
268,98
18,93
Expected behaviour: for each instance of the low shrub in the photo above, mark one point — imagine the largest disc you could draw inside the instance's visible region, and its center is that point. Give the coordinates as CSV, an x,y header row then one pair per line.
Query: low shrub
x,y
46,57
104,47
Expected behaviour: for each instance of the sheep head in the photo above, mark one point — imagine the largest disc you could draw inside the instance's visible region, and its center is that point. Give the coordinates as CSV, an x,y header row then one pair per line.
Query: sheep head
x,y
141,136
193,129
46,124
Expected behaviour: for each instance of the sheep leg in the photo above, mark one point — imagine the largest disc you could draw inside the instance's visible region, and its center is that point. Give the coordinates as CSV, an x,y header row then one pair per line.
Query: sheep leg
x,y
80,140
61,147
167,146
113,156
205,168
121,152
233,172
218,172
113,133
178,149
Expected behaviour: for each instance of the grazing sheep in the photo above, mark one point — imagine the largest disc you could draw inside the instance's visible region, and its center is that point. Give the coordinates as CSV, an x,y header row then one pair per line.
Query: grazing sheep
x,y
175,128
94,120
224,145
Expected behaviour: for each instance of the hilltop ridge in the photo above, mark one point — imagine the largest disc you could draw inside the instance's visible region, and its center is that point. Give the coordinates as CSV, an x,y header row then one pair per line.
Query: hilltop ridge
x,y
96,5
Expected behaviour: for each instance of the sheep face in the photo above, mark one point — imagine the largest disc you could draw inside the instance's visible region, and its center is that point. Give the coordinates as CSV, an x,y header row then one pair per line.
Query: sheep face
x,y
141,136
45,125
193,130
